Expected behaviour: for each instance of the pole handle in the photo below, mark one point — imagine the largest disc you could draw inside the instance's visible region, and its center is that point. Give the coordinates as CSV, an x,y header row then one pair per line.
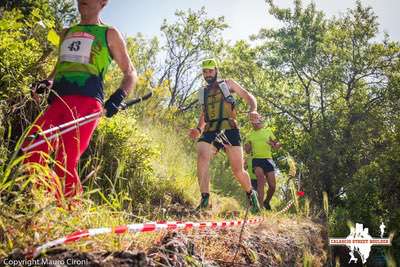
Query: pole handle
x,y
129,103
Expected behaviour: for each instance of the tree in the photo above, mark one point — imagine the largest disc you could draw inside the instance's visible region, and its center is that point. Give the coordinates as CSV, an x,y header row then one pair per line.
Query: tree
x,y
328,78
191,38
336,87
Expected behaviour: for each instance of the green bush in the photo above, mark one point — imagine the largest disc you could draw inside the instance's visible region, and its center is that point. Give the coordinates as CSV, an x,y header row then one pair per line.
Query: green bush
x,y
121,157
22,51
175,166
142,166
338,222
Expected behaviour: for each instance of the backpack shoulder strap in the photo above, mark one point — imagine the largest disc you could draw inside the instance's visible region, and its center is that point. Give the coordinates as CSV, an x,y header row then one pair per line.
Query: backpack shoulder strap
x,y
201,96
224,87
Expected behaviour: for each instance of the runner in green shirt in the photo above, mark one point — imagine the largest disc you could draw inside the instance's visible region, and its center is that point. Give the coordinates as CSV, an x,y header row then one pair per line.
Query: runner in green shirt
x,y
259,144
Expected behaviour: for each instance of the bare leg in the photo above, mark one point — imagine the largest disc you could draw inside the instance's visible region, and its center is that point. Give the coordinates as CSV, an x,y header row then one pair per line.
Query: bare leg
x,y
260,183
205,152
271,185
235,155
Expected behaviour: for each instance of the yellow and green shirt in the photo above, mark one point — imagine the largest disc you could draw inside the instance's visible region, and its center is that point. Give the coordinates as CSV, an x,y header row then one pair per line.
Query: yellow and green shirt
x,y
259,140
84,59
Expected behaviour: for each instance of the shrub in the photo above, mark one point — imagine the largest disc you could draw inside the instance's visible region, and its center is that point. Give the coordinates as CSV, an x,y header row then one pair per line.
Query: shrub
x,y
141,165
121,157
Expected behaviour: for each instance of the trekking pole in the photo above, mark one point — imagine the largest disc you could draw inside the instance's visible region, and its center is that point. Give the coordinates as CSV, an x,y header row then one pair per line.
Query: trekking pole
x,y
125,105
78,123
241,234
58,134
73,122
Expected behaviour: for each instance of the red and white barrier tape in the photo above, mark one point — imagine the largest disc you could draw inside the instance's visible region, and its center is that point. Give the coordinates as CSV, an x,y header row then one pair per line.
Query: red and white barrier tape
x,y
146,227
285,209
150,227
291,202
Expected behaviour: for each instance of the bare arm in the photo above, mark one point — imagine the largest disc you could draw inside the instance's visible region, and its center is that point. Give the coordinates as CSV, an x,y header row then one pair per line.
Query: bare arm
x,y
275,144
247,96
196,132
202,123
120,54
243,93
248,148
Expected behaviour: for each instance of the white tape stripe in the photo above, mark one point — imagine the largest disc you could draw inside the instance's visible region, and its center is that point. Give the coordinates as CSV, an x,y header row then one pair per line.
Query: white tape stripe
x,y
161,226
99,231
135,227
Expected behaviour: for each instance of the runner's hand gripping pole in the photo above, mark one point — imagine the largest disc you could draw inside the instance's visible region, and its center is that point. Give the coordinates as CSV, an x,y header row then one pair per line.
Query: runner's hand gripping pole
x,y
71,125
113,104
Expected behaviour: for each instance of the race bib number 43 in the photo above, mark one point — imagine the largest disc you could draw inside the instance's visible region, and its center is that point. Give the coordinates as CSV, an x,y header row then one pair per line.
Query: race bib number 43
x,y
77,47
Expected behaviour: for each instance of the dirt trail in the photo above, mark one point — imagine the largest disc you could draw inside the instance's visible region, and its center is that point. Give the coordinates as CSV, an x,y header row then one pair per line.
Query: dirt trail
x,y
281,241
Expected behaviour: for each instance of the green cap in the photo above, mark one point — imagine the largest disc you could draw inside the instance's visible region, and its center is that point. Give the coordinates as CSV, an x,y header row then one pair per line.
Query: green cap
x,y
209,64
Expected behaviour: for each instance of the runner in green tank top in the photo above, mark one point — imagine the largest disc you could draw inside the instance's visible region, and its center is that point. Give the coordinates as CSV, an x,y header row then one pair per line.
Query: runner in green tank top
x,y
85,54
83,61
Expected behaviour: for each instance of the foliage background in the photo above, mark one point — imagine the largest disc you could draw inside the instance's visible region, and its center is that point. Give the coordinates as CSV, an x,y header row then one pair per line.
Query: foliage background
x,y
328,87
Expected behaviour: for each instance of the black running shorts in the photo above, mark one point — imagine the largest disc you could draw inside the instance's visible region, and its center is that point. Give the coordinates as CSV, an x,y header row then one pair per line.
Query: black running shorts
x,y
218,140
268,165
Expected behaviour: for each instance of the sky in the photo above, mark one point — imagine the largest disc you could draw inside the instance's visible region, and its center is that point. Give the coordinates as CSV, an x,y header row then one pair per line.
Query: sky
x,y
245,17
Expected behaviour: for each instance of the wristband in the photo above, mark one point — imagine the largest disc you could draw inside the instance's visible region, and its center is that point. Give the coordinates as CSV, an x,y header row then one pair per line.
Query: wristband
x,y
112,105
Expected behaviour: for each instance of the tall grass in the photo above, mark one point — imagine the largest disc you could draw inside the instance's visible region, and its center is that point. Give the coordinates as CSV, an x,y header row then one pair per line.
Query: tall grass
x,y
139,165
325,203
307,207
130,173
307,259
